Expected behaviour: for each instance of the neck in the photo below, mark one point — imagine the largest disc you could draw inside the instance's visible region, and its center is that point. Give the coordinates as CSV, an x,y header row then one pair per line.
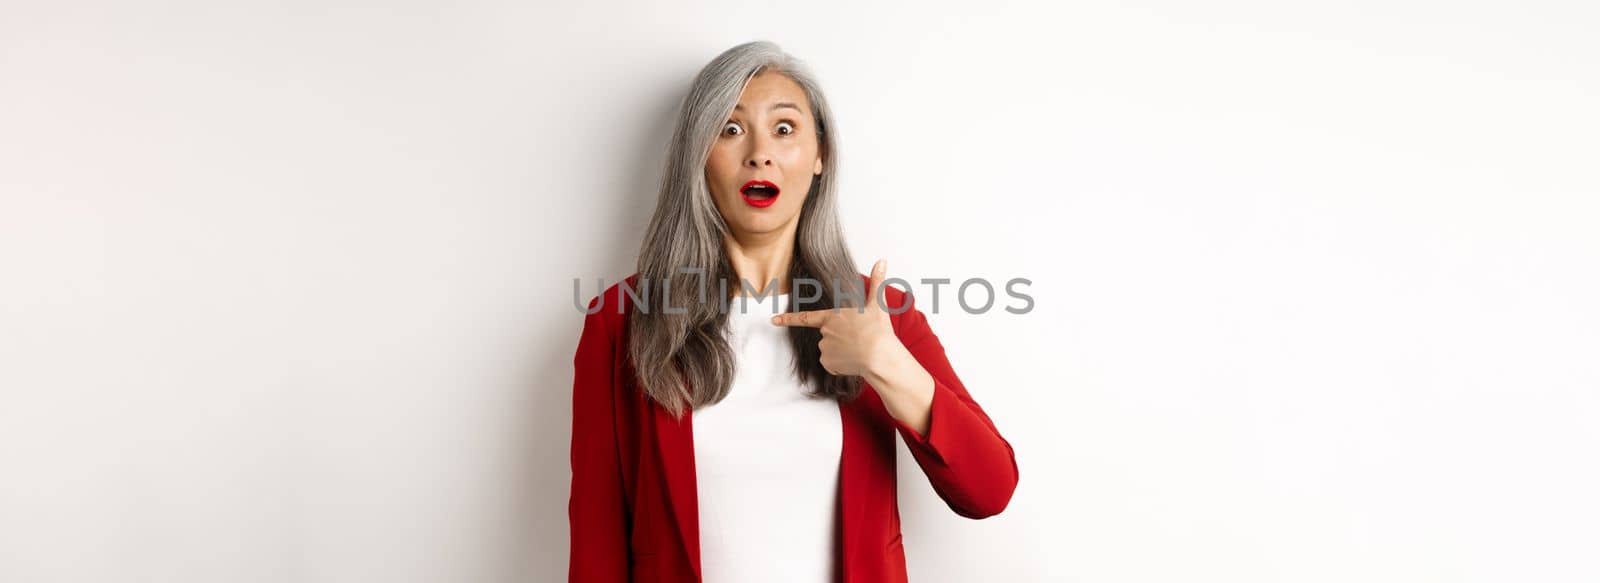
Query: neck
x,y
761,258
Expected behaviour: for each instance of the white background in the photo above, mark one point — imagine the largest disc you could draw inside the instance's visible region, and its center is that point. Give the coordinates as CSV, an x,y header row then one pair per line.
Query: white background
x,y
286,289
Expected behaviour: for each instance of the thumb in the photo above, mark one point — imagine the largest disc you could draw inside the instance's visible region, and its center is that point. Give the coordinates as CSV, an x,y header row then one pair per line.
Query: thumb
x,y
875,292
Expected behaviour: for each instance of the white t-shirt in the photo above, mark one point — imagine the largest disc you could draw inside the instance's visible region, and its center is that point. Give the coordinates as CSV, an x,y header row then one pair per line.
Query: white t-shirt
x,y
766,462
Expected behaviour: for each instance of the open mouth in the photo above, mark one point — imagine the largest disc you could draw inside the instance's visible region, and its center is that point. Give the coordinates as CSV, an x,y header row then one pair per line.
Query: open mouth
x,y
759,193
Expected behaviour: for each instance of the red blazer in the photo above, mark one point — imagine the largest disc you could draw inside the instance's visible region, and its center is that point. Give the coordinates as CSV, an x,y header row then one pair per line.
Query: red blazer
x,y
633,513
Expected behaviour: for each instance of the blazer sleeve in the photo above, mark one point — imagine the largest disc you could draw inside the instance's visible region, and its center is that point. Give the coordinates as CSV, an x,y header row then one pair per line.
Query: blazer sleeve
x,y
966,460
597,512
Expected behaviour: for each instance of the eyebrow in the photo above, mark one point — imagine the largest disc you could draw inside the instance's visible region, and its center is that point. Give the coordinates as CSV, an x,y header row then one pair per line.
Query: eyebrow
x,y
777,105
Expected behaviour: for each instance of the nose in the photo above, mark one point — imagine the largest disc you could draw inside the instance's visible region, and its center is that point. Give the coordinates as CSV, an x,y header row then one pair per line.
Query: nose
x,y
758,156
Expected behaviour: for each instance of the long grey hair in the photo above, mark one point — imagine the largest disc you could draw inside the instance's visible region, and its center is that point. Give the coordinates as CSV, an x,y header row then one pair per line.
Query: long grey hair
x,y
682,356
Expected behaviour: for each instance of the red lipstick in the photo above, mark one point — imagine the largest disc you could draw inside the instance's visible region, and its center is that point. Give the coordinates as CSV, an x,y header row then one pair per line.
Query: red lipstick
x,y
759,193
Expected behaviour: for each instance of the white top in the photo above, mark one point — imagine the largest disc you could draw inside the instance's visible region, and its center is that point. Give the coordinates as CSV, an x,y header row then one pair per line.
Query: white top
x,y
766,462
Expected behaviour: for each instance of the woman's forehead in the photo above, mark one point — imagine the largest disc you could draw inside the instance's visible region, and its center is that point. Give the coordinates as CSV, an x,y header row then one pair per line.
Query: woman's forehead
x,y
769,91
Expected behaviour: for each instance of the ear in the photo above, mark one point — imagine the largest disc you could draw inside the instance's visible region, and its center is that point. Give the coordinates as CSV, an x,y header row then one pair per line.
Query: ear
x,y
817,168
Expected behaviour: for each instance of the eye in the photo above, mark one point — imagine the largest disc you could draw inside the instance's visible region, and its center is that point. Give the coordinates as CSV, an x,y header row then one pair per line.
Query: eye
x,y
732,129
785,128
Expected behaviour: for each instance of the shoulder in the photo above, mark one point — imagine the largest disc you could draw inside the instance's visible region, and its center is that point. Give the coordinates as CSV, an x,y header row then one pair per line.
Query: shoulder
x,y
609,308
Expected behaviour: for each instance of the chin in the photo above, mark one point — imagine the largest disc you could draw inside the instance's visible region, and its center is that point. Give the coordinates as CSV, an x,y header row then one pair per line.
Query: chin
x,y
760,224
756,227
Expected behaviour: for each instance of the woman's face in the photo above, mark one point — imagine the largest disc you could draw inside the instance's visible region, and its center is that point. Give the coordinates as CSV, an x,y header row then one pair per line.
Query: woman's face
x,y
769,137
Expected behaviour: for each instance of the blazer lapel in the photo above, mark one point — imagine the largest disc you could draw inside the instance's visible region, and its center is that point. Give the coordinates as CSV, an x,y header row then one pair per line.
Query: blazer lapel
x,y
675,444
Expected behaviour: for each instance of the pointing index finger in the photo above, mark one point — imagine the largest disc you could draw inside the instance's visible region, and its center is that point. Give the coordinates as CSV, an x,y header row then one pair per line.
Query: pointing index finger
x,y
811,319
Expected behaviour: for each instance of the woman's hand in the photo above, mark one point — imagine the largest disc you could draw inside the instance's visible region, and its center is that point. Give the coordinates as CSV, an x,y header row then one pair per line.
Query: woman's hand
x,y
855,339
859,340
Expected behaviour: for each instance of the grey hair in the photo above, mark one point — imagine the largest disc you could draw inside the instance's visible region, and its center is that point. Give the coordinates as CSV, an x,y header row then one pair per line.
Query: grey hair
x,y
684,360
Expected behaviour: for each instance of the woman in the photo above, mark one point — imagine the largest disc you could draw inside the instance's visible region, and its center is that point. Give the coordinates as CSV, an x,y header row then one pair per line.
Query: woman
x,y
713,441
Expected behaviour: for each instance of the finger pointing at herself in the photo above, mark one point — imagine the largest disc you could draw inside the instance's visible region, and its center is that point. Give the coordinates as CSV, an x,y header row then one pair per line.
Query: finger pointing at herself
x,y
861,342
855,340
